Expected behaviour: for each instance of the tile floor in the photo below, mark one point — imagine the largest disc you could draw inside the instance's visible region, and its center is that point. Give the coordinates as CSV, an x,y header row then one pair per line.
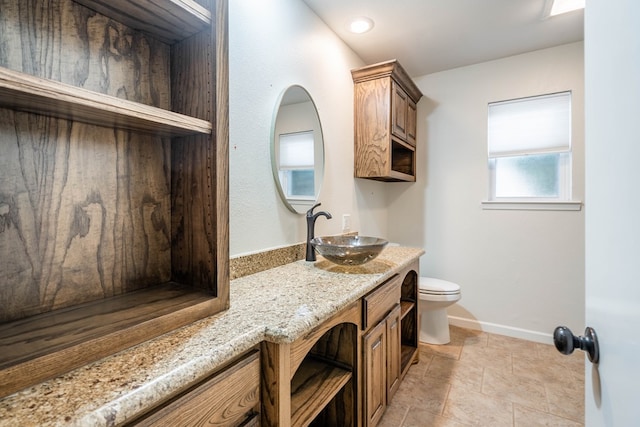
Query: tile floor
x,y
482,379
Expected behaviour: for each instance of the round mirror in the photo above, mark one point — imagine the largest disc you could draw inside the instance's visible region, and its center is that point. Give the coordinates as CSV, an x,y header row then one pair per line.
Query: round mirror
x,y
297,149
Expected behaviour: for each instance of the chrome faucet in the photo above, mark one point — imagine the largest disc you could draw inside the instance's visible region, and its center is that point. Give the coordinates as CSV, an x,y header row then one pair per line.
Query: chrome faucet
x,y
311,222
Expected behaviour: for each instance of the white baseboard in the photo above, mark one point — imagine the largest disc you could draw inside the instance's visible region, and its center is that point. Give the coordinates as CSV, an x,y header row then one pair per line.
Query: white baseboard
x,y
508,331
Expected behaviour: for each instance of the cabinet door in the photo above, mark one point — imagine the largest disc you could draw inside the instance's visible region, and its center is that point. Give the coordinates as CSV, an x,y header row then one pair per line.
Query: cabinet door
x,y
375,373
399,112
412,115
394,335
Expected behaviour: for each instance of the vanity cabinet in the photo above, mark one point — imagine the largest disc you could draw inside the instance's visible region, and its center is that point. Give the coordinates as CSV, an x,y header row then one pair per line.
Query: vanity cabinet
x,y
409,318
382,348
231,397
385,101
390,340
314,380
113,177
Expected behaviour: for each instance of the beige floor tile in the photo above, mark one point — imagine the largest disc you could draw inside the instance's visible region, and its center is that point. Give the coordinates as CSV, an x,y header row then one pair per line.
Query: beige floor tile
x,y
468,336
526,417
507,386
459,372
487,357
477,409
420,418
419,369
566,401
553,369
394,415
513,345
483,379
450,350
424,393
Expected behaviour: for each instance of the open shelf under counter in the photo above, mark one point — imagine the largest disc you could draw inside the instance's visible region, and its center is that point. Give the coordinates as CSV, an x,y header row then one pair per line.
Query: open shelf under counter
x,y
406,307
314,385
167,20
407,355
31,94
43,346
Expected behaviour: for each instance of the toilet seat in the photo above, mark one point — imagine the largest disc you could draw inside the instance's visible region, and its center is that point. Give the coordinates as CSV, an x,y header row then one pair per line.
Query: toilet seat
x,y
432,286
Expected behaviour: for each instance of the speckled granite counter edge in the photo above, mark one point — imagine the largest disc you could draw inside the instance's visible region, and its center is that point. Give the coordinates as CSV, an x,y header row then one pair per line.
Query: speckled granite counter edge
x,y
280,305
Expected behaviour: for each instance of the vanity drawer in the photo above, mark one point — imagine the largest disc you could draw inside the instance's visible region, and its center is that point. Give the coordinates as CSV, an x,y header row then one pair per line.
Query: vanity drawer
x,y
230,398
380,301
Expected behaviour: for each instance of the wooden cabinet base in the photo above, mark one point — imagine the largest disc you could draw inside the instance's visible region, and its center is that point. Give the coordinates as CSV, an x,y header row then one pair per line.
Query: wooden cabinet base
x,y
41,347
230,398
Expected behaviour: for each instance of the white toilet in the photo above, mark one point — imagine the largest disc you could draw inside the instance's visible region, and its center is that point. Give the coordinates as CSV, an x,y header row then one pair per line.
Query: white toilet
x,y
435,296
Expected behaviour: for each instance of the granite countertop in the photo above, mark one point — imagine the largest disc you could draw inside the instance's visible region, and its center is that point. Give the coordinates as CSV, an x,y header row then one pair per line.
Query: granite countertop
x,y
278,305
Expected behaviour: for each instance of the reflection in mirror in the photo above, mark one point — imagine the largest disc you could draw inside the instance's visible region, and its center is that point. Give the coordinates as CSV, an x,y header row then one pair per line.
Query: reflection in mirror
x,y
297,150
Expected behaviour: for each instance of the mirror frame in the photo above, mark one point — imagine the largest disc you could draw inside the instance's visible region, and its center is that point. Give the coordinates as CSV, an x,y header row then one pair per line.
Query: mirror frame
x,y
274,165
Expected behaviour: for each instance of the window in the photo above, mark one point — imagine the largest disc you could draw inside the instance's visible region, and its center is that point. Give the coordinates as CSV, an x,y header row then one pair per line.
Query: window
x,y
296,165
530,148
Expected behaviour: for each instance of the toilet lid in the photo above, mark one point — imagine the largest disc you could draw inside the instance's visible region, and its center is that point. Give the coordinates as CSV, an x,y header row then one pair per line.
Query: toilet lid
x,y
432,286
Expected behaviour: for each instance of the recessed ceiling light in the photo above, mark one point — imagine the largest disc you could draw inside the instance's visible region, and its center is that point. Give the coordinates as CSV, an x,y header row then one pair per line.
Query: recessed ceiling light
x,y
558,7
360,25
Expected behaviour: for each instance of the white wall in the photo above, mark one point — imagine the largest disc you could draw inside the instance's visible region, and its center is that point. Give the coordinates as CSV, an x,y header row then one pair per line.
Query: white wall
x,y
521,272
275,44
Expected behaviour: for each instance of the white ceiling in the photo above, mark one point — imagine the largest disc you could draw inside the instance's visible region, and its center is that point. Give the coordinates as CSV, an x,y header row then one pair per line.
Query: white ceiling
x,y
427,36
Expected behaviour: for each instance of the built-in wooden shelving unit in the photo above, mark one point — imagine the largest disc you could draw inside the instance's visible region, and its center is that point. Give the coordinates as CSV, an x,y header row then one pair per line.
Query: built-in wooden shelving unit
x,y
167,20
128,213
314,385
37,347
23,92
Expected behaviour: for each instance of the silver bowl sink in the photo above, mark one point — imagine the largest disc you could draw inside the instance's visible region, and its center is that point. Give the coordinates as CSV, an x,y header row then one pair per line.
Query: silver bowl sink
x,y
349,250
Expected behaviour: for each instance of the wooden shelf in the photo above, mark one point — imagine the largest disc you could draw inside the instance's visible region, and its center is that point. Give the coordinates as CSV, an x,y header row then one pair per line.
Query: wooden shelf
x,y
43,346
406,307
313,386
167,20
408,354
41,96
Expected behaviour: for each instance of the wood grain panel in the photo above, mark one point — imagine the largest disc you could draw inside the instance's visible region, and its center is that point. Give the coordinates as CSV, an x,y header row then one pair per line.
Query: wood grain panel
x,y
200,164
40,347
220,34
275,384
393,353
375,374
372,128
314,385
380,301
168,20
85,210
228,399
31,94
300,348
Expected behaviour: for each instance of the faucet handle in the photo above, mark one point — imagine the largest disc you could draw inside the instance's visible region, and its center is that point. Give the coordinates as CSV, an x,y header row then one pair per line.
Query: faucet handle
x,y
310,211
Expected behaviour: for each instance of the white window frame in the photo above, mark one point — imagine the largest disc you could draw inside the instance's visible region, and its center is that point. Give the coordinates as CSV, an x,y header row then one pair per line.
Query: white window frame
x,y
301,161
560,146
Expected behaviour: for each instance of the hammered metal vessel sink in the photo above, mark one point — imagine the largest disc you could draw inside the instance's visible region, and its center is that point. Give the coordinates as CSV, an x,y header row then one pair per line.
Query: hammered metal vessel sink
x,y
349,250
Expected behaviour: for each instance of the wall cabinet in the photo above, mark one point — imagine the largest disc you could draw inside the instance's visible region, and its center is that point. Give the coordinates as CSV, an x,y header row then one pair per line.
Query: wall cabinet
x,y
230,398
113,177
385,101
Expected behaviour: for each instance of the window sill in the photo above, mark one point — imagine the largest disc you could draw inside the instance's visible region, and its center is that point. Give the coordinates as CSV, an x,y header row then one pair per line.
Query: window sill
x,y
567,205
